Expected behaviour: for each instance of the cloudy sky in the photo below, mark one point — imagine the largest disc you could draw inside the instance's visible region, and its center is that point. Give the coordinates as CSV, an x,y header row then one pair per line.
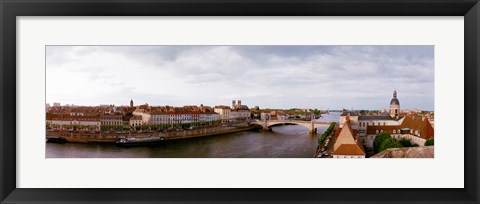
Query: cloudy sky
x,y
335,77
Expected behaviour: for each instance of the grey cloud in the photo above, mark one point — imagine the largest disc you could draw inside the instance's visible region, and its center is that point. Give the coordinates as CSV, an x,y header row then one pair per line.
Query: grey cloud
x,y
286,76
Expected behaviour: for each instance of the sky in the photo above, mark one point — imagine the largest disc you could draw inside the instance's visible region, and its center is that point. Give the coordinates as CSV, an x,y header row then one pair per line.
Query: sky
x,y
283,77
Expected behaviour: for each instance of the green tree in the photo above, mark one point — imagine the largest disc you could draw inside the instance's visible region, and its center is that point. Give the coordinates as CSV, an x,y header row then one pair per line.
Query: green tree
x,y
389,143
429,142
406,142
129,115
379,140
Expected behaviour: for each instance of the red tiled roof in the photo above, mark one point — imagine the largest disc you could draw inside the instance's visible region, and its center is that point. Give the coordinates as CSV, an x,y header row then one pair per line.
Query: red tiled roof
x,y
136,117
349,149
416,123
72,118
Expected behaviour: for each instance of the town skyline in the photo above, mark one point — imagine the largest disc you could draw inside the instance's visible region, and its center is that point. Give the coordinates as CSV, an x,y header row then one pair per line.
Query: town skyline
x,y
51,104
276,77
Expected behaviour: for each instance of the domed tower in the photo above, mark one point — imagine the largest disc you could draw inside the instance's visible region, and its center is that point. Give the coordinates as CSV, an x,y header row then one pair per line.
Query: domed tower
x,y
394,106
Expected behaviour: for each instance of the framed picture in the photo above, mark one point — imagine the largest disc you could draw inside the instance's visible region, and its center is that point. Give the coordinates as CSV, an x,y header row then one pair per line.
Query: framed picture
x,y
269,101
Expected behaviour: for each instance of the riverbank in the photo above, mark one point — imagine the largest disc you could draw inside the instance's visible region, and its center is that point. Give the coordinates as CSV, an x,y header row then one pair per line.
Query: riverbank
x,y
326,142
88,137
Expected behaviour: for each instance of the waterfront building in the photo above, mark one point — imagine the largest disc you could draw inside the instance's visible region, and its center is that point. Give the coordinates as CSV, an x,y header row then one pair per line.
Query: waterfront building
x,y
111,119
176,115
65,121
347,143
239,112
208,117
136,121
223,112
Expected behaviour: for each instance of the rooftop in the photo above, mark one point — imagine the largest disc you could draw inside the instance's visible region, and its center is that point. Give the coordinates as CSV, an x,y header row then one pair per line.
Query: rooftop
x,y
407,152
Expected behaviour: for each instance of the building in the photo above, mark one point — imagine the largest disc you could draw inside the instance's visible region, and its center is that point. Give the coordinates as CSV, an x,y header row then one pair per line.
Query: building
x,y
239,112
56,104
416,128
136,121
347,143
223,112
362,122
111,119
282,116
394,106
352,117
65,121
161,115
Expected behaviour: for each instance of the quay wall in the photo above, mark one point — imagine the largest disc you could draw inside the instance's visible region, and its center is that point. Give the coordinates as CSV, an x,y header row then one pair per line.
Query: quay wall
x,y
112,137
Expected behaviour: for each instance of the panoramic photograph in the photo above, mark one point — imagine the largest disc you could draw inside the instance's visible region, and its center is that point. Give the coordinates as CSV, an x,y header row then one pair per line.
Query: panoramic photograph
x,y
248,101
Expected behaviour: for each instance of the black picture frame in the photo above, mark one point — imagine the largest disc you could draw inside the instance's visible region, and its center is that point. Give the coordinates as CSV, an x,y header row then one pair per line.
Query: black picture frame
x,y
10,9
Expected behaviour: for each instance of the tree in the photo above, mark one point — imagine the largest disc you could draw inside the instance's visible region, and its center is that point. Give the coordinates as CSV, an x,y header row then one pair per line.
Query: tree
x,y
406,142
389,143
129,115
429,142
379,140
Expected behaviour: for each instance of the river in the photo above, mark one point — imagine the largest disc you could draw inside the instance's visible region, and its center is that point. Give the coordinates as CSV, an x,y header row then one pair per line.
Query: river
x,y
286,141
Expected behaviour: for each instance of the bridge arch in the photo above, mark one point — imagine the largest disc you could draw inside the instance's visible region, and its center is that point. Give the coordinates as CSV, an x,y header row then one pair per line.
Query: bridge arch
x,y
311,125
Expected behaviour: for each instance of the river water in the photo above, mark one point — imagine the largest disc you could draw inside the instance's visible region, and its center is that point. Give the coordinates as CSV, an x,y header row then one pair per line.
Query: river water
x,y
286,141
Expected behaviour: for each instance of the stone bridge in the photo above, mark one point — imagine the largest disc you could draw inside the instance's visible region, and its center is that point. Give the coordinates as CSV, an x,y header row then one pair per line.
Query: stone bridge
x,y
311,125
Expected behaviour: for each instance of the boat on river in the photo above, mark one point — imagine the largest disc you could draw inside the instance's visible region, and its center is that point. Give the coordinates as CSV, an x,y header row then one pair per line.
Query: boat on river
x,y
131,141
52,139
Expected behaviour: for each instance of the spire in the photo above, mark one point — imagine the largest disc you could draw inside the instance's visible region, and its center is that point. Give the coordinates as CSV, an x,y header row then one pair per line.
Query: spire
x,y
395,93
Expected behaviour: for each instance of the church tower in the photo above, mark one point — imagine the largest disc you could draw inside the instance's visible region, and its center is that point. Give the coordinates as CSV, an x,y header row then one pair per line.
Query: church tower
x,y
131,103
394,106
